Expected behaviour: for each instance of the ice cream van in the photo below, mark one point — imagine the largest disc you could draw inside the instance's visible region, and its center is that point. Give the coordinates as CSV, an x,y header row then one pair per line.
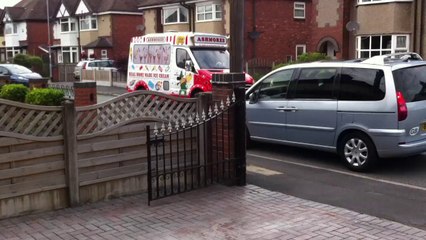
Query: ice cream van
x,y
177,63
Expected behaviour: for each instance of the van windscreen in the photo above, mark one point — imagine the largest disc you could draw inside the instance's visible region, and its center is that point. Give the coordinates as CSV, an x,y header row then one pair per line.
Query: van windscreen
x,y
211,58
411,82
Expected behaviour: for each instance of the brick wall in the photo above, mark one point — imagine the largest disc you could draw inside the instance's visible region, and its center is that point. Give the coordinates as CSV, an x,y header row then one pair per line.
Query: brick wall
x,y
85,93
280,32
36,36
123,29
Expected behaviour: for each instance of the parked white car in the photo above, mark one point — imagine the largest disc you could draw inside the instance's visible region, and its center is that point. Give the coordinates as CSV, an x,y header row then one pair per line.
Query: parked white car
x,y
93,65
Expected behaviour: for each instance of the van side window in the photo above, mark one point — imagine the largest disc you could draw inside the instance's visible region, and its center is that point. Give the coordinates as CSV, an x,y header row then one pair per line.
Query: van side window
x,y
315,83
362,84
275,86
181,56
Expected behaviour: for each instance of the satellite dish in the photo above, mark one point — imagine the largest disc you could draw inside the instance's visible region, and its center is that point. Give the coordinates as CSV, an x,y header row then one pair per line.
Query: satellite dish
x,y
352,26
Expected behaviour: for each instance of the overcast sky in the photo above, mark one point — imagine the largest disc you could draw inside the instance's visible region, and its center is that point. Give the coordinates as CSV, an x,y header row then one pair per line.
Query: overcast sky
x,y
8,3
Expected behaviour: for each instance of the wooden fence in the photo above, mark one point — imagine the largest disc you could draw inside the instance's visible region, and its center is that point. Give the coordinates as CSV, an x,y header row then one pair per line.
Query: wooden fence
x,y
55,157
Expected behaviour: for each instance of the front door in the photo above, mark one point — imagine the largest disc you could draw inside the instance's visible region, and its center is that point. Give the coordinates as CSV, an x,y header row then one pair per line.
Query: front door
x,y
266,110
312,118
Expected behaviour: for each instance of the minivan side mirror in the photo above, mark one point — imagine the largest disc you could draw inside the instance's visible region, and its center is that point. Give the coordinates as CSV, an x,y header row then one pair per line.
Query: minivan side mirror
x,y
253,97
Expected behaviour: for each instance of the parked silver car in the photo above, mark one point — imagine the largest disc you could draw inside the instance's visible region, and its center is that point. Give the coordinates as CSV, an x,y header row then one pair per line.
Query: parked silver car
x,y
361,110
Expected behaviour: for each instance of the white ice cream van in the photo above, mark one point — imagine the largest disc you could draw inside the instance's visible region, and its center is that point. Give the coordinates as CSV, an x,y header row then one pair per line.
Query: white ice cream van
x,y
177,63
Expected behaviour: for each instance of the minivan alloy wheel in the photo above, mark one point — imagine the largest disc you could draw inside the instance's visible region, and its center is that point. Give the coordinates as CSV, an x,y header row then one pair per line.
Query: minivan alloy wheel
x,y
356,152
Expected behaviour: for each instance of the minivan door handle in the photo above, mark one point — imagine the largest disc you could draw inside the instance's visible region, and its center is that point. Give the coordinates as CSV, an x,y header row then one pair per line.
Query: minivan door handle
x,y
291,109
281,108
286,109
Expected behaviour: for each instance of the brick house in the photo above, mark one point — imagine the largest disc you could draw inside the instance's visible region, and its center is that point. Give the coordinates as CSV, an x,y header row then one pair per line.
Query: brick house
x,y
25,27
88,29
400,26
276,30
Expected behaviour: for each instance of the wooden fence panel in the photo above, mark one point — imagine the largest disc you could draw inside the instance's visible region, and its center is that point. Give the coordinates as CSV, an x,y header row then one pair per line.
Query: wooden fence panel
x,y
30,167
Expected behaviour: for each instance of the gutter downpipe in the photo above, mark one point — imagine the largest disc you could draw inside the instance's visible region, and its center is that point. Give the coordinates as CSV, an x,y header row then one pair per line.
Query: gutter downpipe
x,y
191,18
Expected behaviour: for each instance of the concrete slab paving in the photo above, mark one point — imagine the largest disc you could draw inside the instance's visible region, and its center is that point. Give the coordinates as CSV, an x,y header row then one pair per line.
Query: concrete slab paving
x,y
217,212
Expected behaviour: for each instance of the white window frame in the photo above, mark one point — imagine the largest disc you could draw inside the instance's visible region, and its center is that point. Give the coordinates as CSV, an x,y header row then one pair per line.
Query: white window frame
x,y
303,46
12,26
104,54
73,51
88,19
299,6
178,9
393,49
70,23
216,8
369,2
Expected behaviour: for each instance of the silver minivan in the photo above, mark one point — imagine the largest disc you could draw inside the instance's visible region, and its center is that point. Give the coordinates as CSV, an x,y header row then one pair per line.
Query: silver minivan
x,y
361,110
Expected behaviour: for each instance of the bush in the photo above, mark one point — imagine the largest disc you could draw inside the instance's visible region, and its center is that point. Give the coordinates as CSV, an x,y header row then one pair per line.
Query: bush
x,y
304,58
14,92
34,63
45,96
22,59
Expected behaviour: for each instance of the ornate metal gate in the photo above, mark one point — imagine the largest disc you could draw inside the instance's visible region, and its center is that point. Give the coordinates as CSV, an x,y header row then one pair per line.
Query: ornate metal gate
x,y
195,152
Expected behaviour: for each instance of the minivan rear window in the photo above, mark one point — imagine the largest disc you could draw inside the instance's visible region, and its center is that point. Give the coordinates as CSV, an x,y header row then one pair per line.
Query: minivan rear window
x,y
411,82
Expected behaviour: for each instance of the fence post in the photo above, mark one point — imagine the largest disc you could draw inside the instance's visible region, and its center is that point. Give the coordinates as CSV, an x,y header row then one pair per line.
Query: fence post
x,y
240,132
224,85
204,100
70,143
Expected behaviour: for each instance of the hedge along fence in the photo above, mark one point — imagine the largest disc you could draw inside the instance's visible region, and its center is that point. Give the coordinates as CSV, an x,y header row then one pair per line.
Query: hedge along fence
x,y
55,157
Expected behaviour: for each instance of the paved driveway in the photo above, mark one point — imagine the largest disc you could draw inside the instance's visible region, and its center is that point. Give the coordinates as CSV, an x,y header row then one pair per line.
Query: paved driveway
x,y
217,212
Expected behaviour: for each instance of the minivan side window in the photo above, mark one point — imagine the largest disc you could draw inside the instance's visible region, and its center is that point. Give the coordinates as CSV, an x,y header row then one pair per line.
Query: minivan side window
x,y
411,82
275,86
315,83
361,84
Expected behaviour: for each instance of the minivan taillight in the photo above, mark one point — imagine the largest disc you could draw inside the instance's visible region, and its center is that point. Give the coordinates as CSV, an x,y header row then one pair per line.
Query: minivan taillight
x,y
402,107
84,66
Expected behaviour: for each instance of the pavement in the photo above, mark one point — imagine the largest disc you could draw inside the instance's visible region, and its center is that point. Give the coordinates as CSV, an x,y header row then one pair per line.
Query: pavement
x,y
216,212
110,91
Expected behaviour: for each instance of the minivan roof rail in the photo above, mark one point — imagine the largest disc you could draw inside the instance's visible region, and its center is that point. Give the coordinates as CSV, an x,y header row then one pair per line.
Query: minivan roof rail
x,y
405,57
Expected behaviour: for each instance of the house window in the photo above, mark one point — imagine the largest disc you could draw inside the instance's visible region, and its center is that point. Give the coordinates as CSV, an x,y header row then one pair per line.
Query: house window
x,y
208,12
175,15
11,52
69,54
88,23
104,54
300,49
11,28
369,46
299,10
67,25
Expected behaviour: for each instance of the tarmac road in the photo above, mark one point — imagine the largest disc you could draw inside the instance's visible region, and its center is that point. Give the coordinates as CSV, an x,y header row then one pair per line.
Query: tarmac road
x,y
395,191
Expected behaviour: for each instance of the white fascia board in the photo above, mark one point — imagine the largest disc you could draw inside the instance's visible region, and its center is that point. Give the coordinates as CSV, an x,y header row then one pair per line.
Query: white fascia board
x,y
118,12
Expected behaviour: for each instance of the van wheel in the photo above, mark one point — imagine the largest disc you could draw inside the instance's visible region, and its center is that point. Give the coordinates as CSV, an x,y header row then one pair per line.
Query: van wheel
x,y
358,152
